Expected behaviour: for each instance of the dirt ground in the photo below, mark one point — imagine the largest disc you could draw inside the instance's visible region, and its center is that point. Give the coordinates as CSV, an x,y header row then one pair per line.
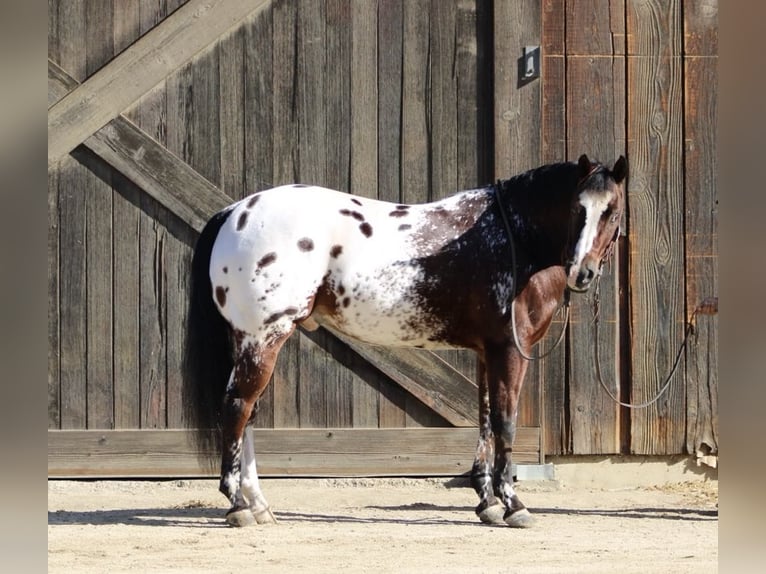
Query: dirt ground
x,y
380,525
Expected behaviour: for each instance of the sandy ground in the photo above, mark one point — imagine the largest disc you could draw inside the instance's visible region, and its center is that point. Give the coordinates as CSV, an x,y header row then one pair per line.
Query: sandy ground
x,y
380,525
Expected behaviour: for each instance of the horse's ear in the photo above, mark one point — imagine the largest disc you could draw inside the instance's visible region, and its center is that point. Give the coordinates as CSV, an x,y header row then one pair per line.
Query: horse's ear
x,y
620,169
583,164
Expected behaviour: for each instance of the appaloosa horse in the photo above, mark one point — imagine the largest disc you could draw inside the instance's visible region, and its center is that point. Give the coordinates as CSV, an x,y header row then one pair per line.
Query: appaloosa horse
x,y
444,274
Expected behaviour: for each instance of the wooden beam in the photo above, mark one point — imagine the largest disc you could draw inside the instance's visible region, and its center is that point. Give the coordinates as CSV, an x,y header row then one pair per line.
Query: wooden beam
x,y
139,68
425,375
139,157
280,452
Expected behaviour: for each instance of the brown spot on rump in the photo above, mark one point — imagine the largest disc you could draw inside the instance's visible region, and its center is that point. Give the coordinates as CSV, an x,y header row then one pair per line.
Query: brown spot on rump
x,y
400,211
341,289
346,301
291,310
299,185
404,227
355,214
220,296
252,201
267,259
366,229
242,221
225,269
356,201
336,251
305,244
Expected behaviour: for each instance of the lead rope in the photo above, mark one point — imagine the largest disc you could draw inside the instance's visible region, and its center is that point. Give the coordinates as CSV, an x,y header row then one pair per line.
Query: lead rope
x,y
708,307
513,299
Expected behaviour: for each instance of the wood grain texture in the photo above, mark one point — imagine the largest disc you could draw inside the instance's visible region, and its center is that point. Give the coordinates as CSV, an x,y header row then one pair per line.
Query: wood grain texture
x,y
595,126
701,222
655,204
54,304
550,372
390,57
146,63
280,452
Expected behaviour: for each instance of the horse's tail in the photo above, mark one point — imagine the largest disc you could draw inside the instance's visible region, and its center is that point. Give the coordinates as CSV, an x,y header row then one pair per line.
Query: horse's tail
x,y
208,351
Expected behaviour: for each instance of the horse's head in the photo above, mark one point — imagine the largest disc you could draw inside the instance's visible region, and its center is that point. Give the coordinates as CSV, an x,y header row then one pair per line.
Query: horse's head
x,y
597,209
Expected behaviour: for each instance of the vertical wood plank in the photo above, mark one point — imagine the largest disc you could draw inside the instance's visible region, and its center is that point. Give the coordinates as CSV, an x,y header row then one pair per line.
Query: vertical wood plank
x,y
150,115
517,106
126,227
231,102
595,121
99,328
339,380
364,176
655,211
311,88
364,99
258,143
390,28
415,139
516,117
54,307
285,168
99,40
551,371
473,115
72,213
180,110
73,290
391,401
701,221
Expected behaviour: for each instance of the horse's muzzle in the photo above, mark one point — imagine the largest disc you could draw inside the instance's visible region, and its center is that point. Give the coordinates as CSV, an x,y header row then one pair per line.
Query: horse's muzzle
x,y
579,279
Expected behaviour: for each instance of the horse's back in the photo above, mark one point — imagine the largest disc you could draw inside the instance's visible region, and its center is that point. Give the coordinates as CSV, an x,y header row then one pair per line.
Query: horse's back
x,y
293,250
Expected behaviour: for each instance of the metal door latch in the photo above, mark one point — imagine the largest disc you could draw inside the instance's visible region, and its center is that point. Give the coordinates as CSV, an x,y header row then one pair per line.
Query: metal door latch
x,y
530,68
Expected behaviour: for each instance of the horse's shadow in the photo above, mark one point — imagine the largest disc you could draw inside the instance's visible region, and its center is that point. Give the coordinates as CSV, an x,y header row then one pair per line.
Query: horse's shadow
x,y
434,515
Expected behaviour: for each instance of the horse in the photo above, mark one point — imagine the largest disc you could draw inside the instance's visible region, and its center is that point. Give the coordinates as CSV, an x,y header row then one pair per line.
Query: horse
x,y
484,269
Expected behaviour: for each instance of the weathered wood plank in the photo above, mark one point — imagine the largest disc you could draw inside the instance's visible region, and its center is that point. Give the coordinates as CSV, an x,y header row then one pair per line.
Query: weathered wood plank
x,y
147,163
701,223
259,136
427,377
139,68
126,226
595,126
517,106
551,371
285,170
54,304
232,112
97,193
339,380
73,290
364,99
390,42
655,203
363,169
415,134
280,452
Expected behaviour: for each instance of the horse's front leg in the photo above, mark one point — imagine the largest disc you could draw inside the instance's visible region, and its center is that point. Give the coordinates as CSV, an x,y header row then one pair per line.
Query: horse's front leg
x,y
505,373
489,510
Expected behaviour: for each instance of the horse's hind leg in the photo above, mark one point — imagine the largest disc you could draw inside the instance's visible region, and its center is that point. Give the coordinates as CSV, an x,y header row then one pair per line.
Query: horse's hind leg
x,y
489,510
250,483
252,371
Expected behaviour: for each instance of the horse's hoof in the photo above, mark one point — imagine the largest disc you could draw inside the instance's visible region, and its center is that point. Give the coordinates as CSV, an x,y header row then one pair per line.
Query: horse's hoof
x,y
264,516
493,514
240,518
521,518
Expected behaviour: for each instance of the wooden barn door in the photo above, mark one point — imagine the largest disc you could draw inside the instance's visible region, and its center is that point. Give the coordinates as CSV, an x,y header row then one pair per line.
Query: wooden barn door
x,y
166,113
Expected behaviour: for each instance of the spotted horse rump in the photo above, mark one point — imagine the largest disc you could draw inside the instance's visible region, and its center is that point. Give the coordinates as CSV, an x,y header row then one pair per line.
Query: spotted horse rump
x,y
484,269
